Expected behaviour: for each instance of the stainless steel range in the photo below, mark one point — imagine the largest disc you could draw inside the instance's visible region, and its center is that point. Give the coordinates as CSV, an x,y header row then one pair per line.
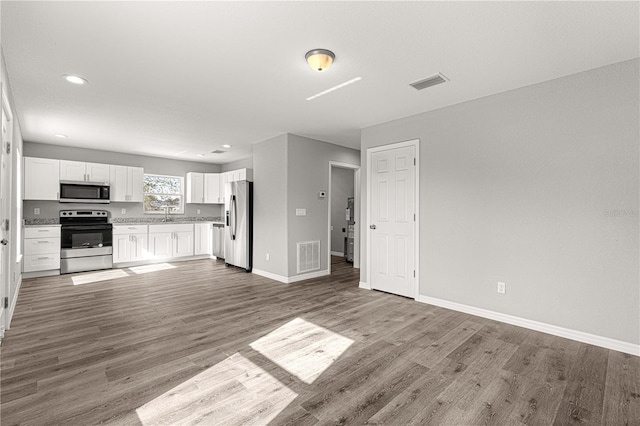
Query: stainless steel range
x,y
86,242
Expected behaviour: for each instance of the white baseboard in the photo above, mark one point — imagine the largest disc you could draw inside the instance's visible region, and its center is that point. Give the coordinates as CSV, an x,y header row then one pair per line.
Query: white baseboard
x,y
289,280
580,336
364,285
337,253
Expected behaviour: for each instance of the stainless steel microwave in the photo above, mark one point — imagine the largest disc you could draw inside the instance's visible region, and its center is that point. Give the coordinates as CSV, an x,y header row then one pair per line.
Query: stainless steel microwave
x,y
84,192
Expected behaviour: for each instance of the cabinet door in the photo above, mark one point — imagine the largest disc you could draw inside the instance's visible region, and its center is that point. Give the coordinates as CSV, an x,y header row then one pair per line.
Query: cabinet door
x,y
118,182
195,187
98,172
183,243
161,244
41,179
212,188
73,170
121,248
139,250
203,239
135,183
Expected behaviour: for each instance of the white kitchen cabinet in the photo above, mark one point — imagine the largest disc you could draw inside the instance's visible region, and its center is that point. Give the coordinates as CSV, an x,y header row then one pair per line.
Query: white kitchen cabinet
x,y
202,238
126,183
41,249
212,193
204,188
84,172
238,175
130,243
195,187
41,179
171,240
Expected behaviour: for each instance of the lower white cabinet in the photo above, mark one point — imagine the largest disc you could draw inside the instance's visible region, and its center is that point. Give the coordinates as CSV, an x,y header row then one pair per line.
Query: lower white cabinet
x,y
41,249
130,243
171,240
203,243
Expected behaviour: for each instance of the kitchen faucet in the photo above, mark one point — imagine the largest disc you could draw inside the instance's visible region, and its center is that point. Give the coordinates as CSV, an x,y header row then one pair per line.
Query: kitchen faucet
x,y
166,212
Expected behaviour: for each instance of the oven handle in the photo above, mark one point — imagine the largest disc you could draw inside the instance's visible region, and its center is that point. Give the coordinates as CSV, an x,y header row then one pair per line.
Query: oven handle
x,y
86,227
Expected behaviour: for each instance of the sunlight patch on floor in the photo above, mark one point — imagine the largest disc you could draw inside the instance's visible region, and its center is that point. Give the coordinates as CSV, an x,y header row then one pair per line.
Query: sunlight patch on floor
x,y
95,277
145,269
234,391
302,348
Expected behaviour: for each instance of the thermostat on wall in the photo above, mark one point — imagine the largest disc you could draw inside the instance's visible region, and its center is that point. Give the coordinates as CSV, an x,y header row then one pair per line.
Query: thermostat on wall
x,y
322,194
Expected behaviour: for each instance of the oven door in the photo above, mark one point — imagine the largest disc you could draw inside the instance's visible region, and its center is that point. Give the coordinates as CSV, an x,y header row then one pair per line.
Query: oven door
x,y
86,240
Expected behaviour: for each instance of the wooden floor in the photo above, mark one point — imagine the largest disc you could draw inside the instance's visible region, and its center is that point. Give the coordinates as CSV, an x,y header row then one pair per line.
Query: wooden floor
x,y
199,343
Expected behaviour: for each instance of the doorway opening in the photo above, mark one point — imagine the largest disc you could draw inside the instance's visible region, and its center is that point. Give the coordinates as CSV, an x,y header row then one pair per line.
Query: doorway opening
x,y
343,215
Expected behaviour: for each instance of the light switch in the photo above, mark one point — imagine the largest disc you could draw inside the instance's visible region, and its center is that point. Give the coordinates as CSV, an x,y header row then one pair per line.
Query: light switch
x,y
301,212
36,210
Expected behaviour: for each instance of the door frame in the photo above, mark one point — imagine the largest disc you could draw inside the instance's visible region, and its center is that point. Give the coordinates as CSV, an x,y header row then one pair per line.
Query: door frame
x,y
356,204
370,151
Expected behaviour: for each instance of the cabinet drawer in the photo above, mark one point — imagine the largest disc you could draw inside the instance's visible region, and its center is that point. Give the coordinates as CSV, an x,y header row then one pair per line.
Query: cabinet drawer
x,y
41,262
42,231
42,246
172,227
129,229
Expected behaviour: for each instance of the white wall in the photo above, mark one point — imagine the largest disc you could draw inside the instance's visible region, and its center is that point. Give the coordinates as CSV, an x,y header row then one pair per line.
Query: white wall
x,y
270,205
537,187
341,189
308,174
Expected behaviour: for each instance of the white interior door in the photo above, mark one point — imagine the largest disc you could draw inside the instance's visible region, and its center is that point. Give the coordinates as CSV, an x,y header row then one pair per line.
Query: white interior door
x,y
5,211
392,221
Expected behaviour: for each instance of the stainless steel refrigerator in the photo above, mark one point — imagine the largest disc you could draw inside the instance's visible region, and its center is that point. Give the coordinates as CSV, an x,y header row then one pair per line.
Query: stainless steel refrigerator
x,y
238,235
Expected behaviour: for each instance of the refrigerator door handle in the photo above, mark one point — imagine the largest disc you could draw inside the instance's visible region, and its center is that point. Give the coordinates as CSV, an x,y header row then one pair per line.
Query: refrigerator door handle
x,y
235,217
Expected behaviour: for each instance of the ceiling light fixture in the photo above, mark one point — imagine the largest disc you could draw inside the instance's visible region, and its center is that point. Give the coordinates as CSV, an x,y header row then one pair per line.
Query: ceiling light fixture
x,y
60,135
320,59
200,155
226,145
339,86
75,79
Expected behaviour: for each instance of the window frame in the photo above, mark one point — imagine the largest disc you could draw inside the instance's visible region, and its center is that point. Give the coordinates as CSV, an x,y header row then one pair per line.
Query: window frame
x,y
181,194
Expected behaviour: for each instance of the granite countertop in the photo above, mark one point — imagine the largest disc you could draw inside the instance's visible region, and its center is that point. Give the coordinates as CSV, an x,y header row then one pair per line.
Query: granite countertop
x,y
32,223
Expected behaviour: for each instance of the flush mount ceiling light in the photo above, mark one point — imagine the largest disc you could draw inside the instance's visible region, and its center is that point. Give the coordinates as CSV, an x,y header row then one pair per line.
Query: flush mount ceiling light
x,y
226,145
74,79
200,155
320,59
60,135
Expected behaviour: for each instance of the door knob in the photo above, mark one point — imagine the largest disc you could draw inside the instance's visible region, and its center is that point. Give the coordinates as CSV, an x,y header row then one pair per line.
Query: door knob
x,y
372,226
4,242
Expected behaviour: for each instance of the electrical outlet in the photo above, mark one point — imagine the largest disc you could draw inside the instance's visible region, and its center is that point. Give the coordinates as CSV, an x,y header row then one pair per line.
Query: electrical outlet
x,y
36,210
332,227
301,212
502,288
197,211
266,257
123,211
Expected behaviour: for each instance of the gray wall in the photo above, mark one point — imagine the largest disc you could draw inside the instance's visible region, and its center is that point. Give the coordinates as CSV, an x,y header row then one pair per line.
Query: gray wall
x,y
536,187
341,189
308,173
270,205
49,209
245,163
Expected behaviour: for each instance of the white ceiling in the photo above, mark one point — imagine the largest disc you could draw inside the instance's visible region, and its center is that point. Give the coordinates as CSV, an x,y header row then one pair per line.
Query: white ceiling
x,y
174,79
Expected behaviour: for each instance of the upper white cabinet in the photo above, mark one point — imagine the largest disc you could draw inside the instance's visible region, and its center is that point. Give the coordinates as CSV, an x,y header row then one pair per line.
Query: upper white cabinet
x,y
126,183
81,171
204,188
212,188
237,175
195,187
41,179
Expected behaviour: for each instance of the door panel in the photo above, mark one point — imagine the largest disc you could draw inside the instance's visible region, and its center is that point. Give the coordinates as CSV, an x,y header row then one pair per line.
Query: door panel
x,y
392,234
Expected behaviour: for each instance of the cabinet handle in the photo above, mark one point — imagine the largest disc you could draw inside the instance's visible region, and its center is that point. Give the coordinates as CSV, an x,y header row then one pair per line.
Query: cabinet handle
x,y
43,230
43,258
43,242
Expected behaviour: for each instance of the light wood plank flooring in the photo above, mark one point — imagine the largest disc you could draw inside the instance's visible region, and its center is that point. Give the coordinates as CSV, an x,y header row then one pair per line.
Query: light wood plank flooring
x,y
199,343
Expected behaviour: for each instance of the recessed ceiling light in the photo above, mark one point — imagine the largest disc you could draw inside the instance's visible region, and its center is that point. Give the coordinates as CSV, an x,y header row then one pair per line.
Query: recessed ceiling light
x,y
226,145
60,135
75,79
339,86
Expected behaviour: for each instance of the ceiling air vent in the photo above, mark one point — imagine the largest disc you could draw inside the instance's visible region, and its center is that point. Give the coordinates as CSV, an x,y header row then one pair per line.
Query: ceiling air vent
x,y
218,151
429,81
